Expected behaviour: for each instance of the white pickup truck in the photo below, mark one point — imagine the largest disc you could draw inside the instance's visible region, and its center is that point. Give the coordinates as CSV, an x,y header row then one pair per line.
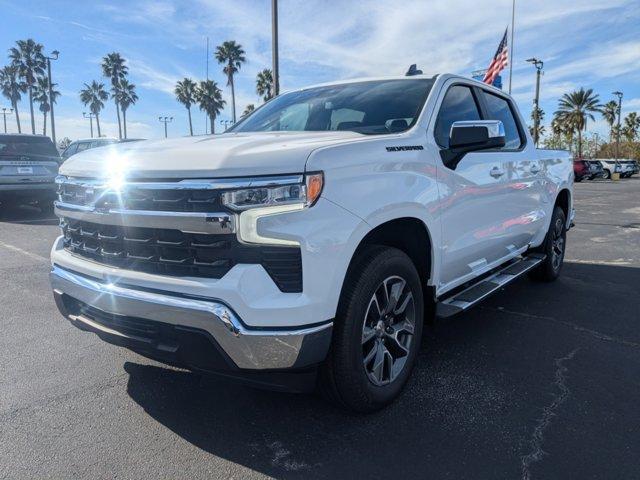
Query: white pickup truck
x,y
306,246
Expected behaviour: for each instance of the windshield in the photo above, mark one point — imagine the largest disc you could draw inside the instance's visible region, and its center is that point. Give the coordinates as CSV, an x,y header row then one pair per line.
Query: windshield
x,y
18,145
372,107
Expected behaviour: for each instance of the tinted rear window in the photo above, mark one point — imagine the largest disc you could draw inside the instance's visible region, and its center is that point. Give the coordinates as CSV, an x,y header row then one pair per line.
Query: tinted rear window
x,y
18,145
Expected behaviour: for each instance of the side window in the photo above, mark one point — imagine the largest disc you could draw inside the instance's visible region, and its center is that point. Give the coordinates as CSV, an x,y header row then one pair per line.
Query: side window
x,y
458,104
293,118
82,146
499,109
345,119
71,149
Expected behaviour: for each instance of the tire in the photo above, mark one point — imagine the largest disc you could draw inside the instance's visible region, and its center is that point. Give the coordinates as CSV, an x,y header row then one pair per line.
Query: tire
x,y
364,338
606,174
553,247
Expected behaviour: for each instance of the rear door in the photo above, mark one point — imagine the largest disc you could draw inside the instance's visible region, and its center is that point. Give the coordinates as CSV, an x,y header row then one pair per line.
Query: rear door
x,y
472,209
524,176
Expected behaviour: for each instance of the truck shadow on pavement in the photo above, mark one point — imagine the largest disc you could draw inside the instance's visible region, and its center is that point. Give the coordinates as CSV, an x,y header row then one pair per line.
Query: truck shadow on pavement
x,y
469,410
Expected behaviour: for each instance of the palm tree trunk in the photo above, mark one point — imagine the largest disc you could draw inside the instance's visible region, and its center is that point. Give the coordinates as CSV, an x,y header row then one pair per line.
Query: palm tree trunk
x,y
190,125
44,123
98,124
124,122
233,98
212,121
33,120
119,124
15,109
579,143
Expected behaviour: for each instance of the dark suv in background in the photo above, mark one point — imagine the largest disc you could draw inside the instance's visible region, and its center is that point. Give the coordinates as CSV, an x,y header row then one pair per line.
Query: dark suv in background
x,y
28,168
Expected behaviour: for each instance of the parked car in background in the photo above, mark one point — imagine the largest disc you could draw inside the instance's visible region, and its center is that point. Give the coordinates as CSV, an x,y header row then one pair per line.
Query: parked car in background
x,y
28,168
587,170
88,143
624,167
634,168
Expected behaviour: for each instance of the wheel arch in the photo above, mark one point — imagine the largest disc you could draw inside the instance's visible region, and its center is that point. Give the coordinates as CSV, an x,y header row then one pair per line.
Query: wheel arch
x,y
563,200
410,235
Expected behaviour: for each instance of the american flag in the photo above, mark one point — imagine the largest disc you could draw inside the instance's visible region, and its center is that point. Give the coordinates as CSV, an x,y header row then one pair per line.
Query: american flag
x,y
499,61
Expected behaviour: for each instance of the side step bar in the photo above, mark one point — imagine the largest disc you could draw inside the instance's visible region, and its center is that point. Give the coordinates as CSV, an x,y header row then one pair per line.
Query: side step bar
x,y
468,297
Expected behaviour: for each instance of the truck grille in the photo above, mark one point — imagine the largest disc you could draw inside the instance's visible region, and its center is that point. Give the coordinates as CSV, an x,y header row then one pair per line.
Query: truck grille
x,y
174,253
127,230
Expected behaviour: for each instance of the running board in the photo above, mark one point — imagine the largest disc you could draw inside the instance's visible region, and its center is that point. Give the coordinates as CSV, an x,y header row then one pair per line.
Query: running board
x,y
467,298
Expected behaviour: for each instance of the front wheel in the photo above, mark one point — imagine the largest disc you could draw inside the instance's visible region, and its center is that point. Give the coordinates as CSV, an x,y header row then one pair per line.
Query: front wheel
x,y
553,247
606,175
377,331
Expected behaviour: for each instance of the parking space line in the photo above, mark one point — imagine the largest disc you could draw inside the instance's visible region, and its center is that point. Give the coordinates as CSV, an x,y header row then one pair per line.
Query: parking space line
x,y
13,248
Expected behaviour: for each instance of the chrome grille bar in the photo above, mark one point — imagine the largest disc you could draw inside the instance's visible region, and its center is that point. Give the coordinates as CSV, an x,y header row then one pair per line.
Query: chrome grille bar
x,y
188,222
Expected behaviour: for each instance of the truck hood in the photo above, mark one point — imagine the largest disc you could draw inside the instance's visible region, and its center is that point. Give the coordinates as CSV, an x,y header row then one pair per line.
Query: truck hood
x,y
211,156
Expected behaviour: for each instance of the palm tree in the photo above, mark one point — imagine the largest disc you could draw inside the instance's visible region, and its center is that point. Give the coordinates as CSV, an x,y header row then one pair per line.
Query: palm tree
x,y
248,109
41,95
232,55
264,84
12,89
94,96
575,109
631,126
27,57
126,96
609,112
209,97
114,68
185,93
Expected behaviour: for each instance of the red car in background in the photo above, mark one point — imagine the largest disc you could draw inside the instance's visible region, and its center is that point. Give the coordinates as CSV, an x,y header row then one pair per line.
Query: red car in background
x,y
585,169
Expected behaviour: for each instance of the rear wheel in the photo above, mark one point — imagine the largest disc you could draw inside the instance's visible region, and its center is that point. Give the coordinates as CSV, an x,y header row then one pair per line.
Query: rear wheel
x,y
606,174
377,331
553,247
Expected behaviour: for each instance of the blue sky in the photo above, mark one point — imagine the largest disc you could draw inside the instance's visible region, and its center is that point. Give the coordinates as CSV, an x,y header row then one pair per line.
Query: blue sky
x,y
590,43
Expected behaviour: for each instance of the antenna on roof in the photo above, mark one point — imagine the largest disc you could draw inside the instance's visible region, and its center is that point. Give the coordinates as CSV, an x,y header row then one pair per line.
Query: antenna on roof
x,y
413,70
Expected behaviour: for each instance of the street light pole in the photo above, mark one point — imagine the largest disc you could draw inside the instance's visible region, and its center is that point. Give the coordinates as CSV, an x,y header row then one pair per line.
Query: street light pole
x,y
619,95
274,47
165,120
536,103
4,115
90,117
54,56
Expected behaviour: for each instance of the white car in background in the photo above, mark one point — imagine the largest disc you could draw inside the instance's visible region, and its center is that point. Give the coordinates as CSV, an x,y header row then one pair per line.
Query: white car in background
x,y
625,168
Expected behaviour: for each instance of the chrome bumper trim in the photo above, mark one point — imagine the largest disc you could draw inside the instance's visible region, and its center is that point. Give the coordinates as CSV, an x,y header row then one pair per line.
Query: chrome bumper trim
x,y
247,348
188,222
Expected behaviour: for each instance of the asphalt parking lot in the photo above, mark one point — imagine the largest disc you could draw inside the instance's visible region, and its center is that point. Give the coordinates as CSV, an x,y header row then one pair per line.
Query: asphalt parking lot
x,y
541,381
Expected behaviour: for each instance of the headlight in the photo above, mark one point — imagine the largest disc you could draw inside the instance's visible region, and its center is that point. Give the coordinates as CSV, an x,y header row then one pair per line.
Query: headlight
x,y
305,193
275,198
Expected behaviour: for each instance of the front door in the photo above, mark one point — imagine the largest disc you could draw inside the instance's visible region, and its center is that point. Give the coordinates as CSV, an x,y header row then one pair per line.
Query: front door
x,y
472,197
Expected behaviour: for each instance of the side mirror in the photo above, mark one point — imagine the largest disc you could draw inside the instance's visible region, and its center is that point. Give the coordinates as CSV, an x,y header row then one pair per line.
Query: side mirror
x,y
472,136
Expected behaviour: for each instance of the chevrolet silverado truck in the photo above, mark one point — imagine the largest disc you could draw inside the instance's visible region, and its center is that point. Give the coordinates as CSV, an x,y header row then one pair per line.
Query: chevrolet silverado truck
x,y
305,247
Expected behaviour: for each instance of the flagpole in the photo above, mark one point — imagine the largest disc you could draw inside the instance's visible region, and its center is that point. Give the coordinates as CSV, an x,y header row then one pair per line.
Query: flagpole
x,y
513,18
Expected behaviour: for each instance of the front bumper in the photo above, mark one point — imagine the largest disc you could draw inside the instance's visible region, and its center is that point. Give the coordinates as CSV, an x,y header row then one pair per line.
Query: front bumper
x,y
165,325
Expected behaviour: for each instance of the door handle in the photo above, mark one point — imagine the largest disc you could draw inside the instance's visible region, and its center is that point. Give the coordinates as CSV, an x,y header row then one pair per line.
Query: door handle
x,y
496,172
534,169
